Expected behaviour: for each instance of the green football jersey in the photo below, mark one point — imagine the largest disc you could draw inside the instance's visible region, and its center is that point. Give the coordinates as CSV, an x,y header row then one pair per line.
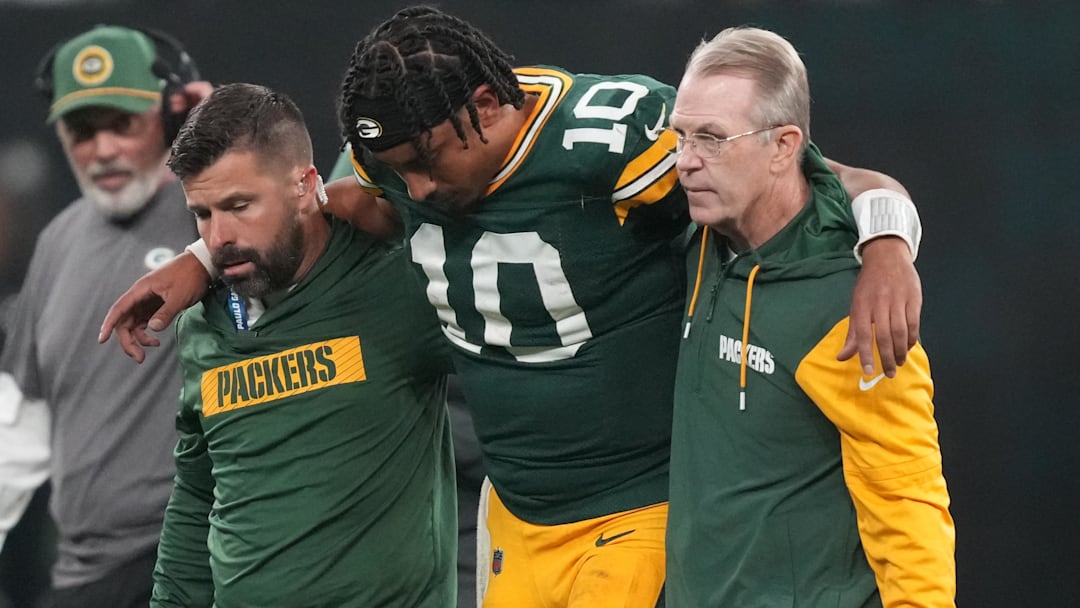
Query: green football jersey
x,y
562,293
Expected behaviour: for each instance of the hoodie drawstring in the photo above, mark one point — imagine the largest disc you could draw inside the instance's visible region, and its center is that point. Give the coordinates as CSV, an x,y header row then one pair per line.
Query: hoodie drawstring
x,y
746,314
697,283
746,337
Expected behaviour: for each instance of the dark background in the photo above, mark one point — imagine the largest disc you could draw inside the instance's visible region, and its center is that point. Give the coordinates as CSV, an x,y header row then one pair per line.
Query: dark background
x,y
972,105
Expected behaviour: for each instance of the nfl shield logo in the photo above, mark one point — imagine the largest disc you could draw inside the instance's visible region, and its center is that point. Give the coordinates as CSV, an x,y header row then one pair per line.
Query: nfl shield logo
x,y
496,561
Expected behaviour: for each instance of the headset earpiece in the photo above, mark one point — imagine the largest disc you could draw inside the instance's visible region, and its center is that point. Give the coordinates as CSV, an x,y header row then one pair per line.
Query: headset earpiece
x,y
175,74
43,73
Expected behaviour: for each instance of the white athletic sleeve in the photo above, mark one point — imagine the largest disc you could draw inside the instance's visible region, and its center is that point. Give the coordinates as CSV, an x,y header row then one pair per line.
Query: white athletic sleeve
x,y
882,212
24,451
201,252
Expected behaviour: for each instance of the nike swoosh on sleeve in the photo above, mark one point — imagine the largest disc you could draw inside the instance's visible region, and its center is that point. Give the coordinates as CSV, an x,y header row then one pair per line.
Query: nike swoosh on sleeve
x,y
601,541
654,132
865,385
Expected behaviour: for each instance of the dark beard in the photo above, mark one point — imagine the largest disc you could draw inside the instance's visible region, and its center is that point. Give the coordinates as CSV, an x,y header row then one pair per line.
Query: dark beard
x,y
273,271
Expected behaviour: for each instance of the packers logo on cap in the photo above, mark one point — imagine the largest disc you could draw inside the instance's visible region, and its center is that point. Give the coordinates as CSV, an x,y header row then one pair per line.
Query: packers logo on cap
x,y
92,66
368,128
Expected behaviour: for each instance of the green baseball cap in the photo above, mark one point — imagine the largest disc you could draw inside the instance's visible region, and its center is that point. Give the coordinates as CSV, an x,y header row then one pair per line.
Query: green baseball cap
x,y
108,66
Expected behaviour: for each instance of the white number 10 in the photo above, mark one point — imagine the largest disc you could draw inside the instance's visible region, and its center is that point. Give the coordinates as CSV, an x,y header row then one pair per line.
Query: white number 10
x,y
492,249
615,137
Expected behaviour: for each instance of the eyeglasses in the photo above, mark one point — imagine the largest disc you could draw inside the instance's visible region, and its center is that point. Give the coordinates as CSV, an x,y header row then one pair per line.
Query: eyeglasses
x,y
707,145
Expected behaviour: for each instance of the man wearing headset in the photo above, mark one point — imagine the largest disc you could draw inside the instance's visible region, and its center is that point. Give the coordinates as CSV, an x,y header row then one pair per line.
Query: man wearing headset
x,y
101,430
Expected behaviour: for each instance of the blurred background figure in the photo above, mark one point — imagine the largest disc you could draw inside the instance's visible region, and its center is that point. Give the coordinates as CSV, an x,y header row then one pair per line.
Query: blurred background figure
x,y
23,177
100,428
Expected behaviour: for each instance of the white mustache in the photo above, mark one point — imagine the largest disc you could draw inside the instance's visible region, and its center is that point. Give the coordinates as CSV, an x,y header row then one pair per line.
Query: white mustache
x,y
97,169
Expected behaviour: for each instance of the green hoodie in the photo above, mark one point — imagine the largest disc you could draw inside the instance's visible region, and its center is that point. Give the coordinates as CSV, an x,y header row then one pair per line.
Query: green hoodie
x,y
794,481
314,466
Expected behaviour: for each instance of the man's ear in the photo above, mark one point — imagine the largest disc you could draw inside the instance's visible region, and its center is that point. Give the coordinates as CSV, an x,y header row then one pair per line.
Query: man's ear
x,y
488,107
307,190
789,140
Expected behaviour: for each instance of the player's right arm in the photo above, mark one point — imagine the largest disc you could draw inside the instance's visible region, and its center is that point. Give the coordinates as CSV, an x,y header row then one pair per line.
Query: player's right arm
x,y
375,216
154,300
358,204
182,576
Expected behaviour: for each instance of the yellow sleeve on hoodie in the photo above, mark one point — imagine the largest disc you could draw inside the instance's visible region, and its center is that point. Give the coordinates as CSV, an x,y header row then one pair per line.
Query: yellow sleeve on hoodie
x,y
892,466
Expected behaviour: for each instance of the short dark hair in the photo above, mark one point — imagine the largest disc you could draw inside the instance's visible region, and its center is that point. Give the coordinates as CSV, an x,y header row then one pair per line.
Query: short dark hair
x,y
415,71
241,117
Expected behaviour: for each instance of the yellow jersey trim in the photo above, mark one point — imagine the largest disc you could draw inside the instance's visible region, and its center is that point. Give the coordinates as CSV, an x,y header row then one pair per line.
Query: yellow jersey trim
x,y
648,178
362,176
551,87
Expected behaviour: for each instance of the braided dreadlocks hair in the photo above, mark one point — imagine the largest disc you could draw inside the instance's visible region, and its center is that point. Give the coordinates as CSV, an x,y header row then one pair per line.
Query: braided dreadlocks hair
x,y
415,71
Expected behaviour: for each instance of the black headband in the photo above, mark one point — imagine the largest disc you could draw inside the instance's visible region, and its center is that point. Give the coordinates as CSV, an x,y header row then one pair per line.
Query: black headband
x,y
381,123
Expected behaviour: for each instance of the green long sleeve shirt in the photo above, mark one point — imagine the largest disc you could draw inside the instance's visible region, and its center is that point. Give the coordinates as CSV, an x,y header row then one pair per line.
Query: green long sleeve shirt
x,y
314,465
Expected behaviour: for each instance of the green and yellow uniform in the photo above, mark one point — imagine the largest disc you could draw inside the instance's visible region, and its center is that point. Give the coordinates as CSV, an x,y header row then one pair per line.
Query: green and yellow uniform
x,y
314,466
806,484
562,294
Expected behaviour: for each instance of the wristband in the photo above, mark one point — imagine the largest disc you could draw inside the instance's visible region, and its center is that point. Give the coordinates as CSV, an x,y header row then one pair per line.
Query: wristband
x,y
882,212
202,253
